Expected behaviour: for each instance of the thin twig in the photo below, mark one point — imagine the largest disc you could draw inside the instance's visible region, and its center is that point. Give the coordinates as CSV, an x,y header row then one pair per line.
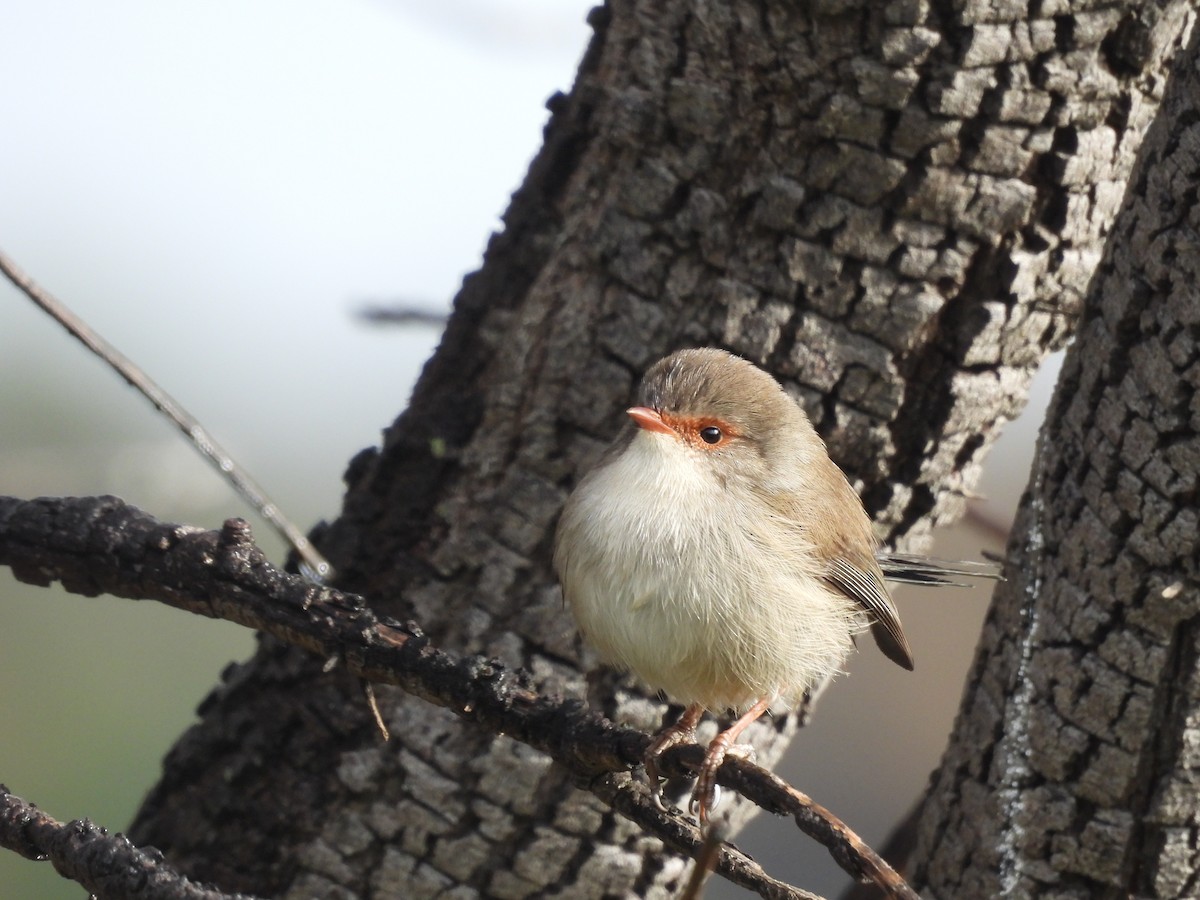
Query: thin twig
x,y
373,705
315,565
631,798
706,860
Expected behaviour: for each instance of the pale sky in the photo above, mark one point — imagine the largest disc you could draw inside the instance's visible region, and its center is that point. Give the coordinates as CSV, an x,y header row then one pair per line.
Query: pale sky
x,y
217,186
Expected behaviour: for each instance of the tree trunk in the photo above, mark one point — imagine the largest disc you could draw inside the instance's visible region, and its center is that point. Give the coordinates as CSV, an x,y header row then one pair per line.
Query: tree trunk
x,y
894,207
1072,771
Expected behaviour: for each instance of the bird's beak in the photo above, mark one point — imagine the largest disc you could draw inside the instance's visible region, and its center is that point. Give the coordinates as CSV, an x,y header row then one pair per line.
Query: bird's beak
x,y
649,419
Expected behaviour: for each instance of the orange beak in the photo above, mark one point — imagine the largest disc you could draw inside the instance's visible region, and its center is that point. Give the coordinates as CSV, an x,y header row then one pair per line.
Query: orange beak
x,y
649,419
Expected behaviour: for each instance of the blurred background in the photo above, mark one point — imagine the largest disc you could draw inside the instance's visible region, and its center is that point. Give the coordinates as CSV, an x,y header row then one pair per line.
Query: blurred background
x,y
219,188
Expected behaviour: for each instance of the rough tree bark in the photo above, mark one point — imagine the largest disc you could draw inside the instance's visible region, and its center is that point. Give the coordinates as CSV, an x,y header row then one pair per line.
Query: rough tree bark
x,y
894,206
1073,767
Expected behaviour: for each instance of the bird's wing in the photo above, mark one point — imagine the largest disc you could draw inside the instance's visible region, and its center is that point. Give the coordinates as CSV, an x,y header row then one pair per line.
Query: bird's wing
x,y
864,585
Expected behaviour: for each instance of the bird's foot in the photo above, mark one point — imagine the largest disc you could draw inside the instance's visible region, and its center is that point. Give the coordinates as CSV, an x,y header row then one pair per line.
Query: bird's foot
x,y
706,796
682,732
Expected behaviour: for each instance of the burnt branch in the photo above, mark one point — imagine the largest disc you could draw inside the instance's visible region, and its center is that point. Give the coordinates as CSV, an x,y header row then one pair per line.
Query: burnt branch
x,y
108,865
101,545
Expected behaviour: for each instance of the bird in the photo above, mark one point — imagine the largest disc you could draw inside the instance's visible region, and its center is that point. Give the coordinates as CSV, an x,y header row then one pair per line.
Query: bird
x,y
718,553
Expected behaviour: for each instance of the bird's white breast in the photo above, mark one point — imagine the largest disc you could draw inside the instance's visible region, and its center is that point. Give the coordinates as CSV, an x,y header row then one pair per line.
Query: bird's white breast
x,y
694,585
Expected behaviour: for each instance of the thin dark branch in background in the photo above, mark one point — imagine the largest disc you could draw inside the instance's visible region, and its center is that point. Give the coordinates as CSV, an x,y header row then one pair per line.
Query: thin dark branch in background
x,y
386,314
102,545
992,526
108,865
251,492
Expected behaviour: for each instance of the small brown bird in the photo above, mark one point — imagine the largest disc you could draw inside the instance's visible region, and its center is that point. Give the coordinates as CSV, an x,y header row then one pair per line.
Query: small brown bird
x,y
717,552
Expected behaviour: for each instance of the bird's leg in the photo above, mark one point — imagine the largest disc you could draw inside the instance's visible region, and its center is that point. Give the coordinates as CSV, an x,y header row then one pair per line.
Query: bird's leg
x,y
682,732
704,796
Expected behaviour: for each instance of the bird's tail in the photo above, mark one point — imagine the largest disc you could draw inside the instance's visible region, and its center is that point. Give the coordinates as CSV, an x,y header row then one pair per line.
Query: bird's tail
x,y
911,568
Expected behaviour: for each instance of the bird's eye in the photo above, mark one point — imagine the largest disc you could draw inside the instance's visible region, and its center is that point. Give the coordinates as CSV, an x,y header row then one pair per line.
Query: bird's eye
x,y
711,434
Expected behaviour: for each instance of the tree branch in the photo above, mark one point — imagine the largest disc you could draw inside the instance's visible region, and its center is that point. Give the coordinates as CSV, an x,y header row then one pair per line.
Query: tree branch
x,y
102,545
108,865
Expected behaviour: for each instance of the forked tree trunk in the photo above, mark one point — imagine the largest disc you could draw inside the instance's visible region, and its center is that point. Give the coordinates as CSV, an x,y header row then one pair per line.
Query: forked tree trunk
x,y
895,207
1073,769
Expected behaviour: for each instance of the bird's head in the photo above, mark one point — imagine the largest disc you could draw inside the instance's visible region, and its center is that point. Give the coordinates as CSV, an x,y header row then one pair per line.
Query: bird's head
x,y
727,414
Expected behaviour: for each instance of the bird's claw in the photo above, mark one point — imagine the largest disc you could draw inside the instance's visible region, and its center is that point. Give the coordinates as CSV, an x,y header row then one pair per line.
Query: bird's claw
x,y
682,732
656,797
707,793
700,806
655,782
706,796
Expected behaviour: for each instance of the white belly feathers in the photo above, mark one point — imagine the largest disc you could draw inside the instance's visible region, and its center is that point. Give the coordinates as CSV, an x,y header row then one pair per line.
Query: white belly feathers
x,y
719,628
